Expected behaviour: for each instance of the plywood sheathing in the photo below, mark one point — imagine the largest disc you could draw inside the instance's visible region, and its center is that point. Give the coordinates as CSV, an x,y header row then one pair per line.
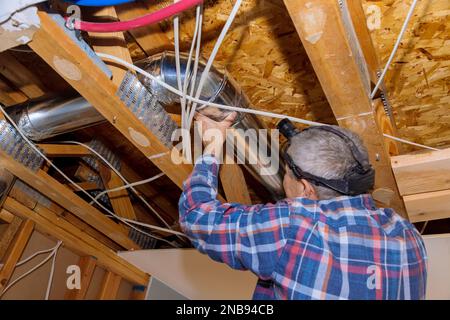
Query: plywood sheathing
x,y
419,77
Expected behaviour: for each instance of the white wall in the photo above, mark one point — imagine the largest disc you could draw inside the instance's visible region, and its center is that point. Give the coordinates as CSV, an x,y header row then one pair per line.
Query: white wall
x,y
438,282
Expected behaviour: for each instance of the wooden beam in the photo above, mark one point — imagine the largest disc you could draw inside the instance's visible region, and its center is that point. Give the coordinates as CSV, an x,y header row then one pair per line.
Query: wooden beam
x,y
138,293
423,172
6,216
324,31
86,185
120,200
57,49
8,235
64,150
78,241
10,96
20,76
150,38
79,224
64,197
15,252
233,183
110,286
111,43
428,206
87,266
359,21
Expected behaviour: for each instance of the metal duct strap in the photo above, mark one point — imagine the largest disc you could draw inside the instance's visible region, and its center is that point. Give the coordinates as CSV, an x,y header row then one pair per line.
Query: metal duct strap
x,y
147,108
15,146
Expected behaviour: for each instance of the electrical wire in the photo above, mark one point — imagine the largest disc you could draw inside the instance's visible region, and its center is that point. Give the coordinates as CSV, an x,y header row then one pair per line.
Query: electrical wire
x,y
52,253
120,176
212,56
125,221
208,103
52,271
32,256
33,146
394,50
409,142
145,20
129,185
238,109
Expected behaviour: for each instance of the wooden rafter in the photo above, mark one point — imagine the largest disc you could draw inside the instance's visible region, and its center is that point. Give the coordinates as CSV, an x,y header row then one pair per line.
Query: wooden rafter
x,y
15,252
325,31
52,44
78,241
64,197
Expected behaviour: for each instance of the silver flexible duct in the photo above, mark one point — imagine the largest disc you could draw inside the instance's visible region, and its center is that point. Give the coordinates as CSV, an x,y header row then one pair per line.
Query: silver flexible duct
x,y
45,119
250,144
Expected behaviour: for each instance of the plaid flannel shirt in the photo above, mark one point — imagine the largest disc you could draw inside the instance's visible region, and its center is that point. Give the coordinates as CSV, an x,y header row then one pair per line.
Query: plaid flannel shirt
x,y
343,248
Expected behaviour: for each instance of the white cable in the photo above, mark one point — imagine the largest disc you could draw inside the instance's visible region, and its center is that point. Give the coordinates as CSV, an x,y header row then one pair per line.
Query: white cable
x,y
52,271
394,50
21,50
160,229
213,54
197,59
409,142
208,103
120,176
33,146
225,107
32,256
31,270
194,44
129,185
95,200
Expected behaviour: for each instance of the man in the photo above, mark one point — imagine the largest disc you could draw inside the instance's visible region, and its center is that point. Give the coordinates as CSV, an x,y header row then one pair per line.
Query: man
x,y
317,243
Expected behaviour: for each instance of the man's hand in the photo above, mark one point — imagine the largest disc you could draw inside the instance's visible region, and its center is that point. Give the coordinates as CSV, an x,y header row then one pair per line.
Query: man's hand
x,y
214,132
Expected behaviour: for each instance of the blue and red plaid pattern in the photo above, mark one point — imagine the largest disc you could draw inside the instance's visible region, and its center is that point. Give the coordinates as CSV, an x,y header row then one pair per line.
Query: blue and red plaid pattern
x,y
343,248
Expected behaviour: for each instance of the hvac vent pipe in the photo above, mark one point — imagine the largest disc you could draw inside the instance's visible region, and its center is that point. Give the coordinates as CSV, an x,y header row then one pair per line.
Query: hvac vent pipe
x,y
222,89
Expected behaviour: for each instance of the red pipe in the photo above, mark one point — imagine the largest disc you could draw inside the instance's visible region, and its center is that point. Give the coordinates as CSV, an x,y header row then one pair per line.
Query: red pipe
x,y
151,18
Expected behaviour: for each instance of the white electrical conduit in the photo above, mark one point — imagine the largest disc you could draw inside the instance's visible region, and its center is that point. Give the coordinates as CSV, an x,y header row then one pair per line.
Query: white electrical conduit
x,y
33,146
397,44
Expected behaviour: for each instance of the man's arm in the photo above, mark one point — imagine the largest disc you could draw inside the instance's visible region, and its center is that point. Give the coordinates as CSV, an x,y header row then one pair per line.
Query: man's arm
x,y
244,237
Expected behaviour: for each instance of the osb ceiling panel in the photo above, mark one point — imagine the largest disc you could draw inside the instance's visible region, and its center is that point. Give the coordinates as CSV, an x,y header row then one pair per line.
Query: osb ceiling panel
x,y
264,54
418,80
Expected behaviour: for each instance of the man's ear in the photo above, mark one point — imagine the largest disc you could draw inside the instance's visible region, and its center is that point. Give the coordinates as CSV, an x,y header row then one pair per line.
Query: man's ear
x,y
310,191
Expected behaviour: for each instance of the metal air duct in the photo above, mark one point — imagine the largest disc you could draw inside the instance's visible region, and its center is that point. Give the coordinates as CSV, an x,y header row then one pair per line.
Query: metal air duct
x,y
221,88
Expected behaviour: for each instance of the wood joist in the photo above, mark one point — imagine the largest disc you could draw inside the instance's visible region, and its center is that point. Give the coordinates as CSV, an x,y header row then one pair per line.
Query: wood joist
x,y
55,47
331,42
424,182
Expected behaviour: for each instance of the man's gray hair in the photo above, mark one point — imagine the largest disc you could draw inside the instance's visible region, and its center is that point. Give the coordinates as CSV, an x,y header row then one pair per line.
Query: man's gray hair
x,y
326,155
